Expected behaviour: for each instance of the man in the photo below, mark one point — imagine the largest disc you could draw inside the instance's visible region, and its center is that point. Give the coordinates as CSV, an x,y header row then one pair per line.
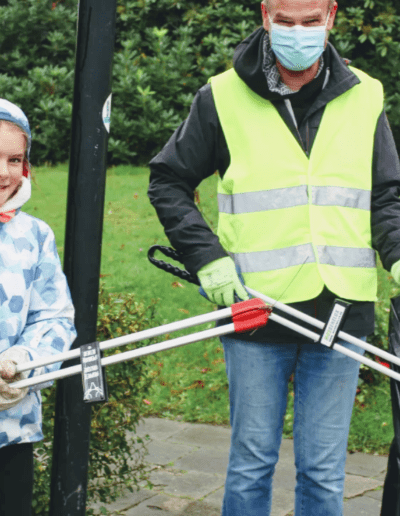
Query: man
x,y
308,189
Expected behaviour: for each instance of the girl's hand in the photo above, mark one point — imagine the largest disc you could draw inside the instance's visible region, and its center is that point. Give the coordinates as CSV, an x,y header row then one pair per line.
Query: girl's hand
x,y
8,395
8,369
7,392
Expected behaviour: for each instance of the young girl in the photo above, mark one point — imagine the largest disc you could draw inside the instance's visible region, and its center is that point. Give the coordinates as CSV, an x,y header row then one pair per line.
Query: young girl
x,y
36,312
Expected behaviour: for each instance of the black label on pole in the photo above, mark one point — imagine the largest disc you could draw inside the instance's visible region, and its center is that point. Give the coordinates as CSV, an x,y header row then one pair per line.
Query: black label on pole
x,y
93,378
337,318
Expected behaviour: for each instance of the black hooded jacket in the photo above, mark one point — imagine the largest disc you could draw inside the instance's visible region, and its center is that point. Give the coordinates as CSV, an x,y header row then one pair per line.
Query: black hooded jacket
x,y
198,148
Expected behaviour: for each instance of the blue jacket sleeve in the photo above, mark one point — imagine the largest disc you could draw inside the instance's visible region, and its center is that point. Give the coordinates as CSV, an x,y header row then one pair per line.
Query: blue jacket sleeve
x,y
49,327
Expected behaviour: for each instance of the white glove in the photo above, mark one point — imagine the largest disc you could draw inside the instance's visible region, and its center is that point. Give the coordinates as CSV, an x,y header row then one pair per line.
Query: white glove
x,y
9,397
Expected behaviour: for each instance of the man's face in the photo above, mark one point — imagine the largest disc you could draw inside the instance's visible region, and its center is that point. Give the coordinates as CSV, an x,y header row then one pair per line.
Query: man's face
x,y
308,13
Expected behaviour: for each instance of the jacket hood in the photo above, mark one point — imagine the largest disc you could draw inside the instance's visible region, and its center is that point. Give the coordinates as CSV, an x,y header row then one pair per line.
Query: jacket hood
x,y
248,62
20,198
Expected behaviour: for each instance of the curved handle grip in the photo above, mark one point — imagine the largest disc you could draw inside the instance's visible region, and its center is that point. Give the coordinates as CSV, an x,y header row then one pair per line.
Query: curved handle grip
x,y
164,266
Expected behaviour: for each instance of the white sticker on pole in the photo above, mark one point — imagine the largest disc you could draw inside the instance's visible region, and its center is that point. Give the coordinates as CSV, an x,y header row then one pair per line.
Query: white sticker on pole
x,y
93,378
107,113
335,322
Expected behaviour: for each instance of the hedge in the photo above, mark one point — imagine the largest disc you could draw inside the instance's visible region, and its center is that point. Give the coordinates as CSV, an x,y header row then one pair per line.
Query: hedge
x,y
165,50
117,455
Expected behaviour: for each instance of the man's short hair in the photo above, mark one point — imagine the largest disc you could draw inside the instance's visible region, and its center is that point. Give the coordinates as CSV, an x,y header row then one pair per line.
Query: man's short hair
x,y
330,5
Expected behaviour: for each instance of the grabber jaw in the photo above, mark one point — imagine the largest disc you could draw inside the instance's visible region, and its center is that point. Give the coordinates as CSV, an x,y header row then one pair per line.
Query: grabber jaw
x,y
250,315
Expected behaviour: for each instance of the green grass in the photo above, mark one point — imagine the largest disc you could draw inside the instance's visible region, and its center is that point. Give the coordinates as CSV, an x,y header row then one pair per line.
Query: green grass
x,y
371,425
130,228
190,382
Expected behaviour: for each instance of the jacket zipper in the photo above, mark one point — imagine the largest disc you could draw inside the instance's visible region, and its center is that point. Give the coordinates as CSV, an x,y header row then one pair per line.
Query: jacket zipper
x,y
307,148
290,109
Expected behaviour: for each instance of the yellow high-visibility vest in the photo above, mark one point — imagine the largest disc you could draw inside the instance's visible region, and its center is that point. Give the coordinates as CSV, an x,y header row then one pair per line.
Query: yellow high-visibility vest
x,y
294,224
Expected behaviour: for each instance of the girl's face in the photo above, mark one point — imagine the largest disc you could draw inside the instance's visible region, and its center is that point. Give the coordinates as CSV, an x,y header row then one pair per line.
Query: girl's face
x,y
12,154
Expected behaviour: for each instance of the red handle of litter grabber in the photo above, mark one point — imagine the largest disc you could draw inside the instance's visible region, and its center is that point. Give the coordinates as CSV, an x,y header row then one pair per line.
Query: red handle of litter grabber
x,y
250,314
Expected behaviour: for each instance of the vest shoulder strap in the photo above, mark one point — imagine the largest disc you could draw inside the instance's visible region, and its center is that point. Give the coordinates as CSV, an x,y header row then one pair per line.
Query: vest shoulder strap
x,y
226,79
374,86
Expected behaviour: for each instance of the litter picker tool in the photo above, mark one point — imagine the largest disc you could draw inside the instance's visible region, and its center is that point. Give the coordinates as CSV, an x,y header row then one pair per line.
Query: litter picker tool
x,y
331,329
246,316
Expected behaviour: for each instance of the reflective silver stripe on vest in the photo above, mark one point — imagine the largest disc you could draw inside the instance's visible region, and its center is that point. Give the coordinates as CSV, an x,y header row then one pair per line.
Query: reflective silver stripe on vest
x,y
251,202
261,261
346,256
339,196
280,198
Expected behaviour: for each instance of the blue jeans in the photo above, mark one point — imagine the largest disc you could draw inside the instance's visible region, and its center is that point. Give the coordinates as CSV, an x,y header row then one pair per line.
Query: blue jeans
x,y
325,383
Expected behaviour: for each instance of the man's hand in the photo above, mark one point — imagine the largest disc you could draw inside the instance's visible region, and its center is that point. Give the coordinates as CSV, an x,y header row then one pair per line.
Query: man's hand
x,y
395,272
9,396
220,281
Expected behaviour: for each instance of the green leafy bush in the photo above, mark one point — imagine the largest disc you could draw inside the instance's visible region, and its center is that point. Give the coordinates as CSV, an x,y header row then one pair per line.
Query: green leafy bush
x,y
165,51
368,32
36,70
116,454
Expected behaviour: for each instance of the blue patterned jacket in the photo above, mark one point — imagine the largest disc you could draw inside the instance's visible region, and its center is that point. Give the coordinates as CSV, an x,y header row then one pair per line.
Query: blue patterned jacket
x,y
36,314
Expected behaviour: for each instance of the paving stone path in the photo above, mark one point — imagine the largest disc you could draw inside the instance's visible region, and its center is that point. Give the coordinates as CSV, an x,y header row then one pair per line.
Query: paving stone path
x,y
189,465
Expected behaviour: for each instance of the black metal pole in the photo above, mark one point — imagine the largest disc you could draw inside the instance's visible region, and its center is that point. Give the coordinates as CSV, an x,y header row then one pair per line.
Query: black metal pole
x,y
86,189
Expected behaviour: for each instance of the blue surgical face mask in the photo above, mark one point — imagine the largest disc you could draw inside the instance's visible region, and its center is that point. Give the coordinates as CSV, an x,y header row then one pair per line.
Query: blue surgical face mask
x,y
297,47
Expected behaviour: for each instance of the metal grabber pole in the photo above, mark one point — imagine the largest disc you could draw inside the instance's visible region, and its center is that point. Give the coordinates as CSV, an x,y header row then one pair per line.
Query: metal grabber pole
x,y
246,315
331,329
340,334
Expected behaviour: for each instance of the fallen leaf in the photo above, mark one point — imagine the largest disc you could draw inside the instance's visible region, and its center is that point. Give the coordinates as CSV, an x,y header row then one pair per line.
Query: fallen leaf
x,y
382,362
176,284
218,361
183,310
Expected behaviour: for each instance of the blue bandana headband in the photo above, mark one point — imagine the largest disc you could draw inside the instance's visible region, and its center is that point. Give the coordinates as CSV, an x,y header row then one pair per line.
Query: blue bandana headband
x,y
12,113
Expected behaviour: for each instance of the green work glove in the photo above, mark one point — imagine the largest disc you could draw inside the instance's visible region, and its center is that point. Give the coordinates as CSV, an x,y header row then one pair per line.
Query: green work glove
x,y
220,281
395,272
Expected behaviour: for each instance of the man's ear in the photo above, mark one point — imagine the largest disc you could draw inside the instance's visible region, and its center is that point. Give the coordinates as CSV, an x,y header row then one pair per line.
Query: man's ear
x,y
332,16
265,17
